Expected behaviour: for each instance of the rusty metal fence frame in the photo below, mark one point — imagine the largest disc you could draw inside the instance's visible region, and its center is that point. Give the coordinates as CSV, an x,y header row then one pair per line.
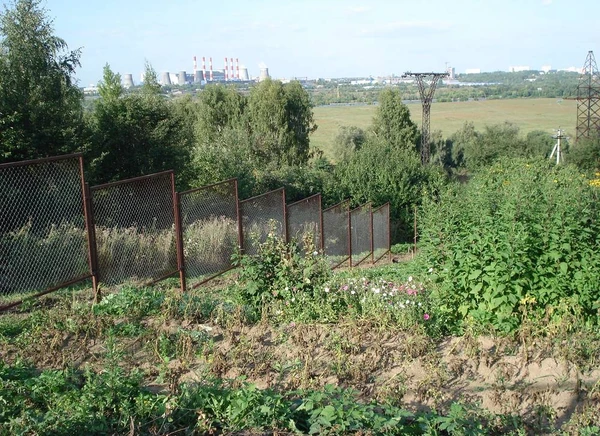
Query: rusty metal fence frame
x,y
53,185
357,230
258,212
253,212
296,228
204,204
341,209
384,210
112,223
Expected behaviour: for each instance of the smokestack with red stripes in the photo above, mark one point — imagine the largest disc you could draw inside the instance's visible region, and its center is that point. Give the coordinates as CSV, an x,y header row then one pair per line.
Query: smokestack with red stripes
x,y
195,65
232,74
203,68
226,70
237,68
210,66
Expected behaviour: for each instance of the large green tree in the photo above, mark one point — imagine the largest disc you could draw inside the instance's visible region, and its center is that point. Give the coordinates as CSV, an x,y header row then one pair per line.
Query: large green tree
x,y
135,134
392,123
40,105
281,120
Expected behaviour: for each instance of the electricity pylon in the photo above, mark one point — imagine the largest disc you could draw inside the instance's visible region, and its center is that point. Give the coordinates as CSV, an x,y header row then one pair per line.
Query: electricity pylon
x,y
588,100
426,99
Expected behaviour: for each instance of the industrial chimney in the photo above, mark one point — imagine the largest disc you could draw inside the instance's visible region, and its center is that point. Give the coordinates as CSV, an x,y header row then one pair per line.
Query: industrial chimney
x,y
128,80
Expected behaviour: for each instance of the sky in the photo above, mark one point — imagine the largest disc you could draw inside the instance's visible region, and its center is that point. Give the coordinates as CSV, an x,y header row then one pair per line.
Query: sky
x,y
326,38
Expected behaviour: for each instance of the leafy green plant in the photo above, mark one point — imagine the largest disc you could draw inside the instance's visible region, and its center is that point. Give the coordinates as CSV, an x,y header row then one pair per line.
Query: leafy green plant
x,y
281,271
519,233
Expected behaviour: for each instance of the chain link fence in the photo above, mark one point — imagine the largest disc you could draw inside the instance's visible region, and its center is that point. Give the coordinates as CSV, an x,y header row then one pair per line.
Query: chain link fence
x,y
381,232
304,224
55,231
209,218
43,239
135,229
360,220
260,216
336,242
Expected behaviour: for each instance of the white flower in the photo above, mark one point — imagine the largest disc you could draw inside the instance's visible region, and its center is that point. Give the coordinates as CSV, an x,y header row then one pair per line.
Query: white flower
x,y
384,294
407,302
315,253
430,270
410,278
293,299
376,290
401,306
326,289
352,292
419,304
364,279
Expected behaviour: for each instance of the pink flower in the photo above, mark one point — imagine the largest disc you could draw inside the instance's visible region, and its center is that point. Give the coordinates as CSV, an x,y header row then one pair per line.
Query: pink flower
x,y
426,316
345,288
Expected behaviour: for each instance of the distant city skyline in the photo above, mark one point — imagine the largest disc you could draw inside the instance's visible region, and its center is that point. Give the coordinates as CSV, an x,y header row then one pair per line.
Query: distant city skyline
x,y
327,38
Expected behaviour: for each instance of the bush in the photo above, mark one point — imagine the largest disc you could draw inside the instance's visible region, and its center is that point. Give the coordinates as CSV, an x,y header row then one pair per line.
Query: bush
x,y
520,237
279,271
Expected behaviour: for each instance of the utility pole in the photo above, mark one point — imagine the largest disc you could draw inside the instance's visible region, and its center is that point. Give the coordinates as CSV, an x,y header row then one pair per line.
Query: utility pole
x,y
588,100
559,136
426,91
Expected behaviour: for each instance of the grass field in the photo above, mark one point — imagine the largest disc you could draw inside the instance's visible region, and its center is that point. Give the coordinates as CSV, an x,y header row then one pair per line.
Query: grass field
x,y
529,114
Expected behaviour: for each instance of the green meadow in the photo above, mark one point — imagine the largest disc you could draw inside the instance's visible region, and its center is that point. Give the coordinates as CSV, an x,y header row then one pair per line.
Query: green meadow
x,y
545,114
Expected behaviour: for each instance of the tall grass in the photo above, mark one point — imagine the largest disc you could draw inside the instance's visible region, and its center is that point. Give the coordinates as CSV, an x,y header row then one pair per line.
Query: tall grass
x,y
209,244
36,260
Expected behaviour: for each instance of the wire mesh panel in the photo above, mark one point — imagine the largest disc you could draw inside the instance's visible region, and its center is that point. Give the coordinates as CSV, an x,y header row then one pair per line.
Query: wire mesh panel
x,y
135,229
304,222
360,220
209,219
43,241
336,244
381,231
262,215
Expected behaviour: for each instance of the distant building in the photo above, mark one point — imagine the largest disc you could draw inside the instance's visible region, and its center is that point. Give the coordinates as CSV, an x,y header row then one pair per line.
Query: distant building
x,y
451,73
546,68
518,68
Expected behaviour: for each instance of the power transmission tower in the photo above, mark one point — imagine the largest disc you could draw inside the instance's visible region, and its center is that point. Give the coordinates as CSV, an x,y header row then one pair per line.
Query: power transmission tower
x,y
588,100
426,90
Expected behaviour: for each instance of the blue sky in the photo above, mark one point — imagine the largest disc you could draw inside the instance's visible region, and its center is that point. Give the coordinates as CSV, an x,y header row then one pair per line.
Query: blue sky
x,y
327,38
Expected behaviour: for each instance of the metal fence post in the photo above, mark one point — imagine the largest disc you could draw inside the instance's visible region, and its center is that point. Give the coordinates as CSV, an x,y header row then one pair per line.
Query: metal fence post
x,y
91,238
389,238
285,218
239,219
372,232
322,235
178,235
350,235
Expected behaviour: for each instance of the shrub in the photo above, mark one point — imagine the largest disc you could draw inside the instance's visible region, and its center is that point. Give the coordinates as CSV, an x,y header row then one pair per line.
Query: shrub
x,y
279,271
519,235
